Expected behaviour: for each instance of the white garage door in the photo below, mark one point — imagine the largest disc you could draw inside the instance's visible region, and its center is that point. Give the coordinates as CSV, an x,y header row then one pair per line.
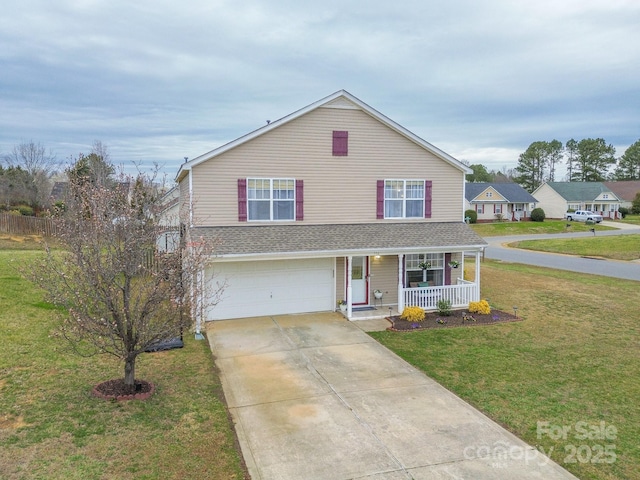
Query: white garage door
x,y
274,287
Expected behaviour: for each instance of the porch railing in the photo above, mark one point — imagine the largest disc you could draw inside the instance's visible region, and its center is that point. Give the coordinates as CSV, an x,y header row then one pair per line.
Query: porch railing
x,y
428,297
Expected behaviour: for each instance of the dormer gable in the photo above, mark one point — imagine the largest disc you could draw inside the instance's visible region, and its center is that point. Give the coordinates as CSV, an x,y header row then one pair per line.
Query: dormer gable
x,y
489,194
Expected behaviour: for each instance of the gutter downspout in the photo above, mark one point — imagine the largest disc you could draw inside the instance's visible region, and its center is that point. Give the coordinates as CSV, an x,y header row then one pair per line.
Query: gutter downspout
x,y
191,198
400,289
349,288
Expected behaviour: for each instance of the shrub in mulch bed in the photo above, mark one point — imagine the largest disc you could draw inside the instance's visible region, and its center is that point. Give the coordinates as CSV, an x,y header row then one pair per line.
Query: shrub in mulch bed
x,y
458,318
117,390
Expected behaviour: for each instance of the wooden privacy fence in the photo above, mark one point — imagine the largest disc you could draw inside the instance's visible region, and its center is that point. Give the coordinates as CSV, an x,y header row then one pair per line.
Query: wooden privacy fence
x,y
22,225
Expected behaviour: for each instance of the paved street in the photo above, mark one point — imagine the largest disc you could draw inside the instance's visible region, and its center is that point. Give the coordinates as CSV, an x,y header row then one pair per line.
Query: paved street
x,y
498,250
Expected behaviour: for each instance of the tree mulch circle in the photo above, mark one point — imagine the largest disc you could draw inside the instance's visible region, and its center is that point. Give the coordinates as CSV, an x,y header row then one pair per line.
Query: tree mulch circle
x,y
458,318
117,390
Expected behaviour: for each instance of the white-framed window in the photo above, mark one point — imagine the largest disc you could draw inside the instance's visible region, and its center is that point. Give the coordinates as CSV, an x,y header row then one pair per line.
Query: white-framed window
x,y
433,275
498,208
489,194
403,198
271,199
479,208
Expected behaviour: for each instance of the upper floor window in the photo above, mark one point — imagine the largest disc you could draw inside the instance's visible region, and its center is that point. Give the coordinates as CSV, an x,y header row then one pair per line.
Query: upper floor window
x,y
404,198
264,199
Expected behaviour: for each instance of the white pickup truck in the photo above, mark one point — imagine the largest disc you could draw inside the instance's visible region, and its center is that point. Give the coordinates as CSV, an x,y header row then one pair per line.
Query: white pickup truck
x,y
583,216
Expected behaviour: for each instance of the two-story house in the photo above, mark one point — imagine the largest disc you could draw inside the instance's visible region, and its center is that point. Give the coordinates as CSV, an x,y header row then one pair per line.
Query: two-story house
x,y
332,202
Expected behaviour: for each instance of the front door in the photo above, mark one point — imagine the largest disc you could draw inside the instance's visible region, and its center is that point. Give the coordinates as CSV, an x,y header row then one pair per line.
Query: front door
x,y
360,280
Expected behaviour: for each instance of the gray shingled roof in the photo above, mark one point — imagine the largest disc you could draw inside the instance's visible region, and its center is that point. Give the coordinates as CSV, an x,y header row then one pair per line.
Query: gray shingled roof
x,y
512,192
339,239
579,191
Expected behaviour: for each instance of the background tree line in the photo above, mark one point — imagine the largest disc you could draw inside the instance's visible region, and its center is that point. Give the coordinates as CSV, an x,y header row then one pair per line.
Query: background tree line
x,y
587,160
29,171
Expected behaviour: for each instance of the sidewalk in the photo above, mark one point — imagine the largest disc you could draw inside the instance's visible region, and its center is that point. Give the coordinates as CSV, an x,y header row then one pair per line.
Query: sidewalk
x,y
314,397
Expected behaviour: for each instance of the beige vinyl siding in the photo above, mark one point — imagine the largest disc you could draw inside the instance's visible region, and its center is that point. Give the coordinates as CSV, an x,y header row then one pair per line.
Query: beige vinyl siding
x,y
553,204
495,196
384,277
183,186
340,189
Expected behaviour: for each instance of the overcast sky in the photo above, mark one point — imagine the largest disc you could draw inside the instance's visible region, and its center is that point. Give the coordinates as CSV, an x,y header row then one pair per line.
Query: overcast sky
x,y
157,81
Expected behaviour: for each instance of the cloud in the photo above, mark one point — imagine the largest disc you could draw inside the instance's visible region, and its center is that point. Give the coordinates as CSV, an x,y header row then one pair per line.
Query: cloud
x,y
157,81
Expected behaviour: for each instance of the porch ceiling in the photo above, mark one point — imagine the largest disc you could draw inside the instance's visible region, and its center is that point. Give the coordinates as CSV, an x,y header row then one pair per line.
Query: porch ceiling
x,y
340,239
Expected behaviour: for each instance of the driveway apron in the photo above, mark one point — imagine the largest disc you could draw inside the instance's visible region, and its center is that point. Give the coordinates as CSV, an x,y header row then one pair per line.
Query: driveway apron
x,y
314,397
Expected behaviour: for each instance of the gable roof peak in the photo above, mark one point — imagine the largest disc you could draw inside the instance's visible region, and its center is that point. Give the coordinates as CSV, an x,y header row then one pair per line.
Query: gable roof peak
x,y
328,101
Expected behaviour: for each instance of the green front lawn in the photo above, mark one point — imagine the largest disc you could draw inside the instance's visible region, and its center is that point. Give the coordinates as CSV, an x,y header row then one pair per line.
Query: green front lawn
x,y
573,363
52,428
620,247
633,219
531,228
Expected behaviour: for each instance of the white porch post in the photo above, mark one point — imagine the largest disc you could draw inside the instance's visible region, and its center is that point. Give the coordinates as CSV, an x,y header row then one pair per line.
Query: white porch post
x,y
349,288
477,276
400,288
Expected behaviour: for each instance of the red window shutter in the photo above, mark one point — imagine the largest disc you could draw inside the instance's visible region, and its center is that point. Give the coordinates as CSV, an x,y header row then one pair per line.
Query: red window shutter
x,y
380,199
299,200
494,208
427,198
242,199
340,143
447,269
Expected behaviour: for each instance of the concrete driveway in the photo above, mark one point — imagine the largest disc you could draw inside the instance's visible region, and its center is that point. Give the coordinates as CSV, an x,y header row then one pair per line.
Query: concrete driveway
x,y
314,397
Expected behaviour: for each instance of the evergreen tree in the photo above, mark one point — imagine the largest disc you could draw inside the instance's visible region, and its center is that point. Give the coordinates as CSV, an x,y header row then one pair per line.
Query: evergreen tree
x,y
629,164
479,175
571,149
594,159
537,164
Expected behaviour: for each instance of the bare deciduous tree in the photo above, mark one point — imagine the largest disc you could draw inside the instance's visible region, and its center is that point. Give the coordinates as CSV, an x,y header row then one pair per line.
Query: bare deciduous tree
x,y
39,164
122,294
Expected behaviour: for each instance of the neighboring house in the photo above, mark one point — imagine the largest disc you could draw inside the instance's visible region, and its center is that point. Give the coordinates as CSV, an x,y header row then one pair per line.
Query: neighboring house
x,y
499,201
169,215
556,198
625,190
330,203
59,192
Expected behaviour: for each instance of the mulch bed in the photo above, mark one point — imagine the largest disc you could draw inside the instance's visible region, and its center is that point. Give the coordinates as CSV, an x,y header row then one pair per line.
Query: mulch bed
x,y
456,319
117,390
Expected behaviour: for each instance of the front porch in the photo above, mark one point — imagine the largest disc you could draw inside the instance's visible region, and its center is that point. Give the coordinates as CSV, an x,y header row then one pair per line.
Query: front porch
x,y
428,297
453,288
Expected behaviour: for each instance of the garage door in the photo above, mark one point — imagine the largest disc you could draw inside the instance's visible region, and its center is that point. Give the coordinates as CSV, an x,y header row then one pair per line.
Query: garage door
x,y
274,287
